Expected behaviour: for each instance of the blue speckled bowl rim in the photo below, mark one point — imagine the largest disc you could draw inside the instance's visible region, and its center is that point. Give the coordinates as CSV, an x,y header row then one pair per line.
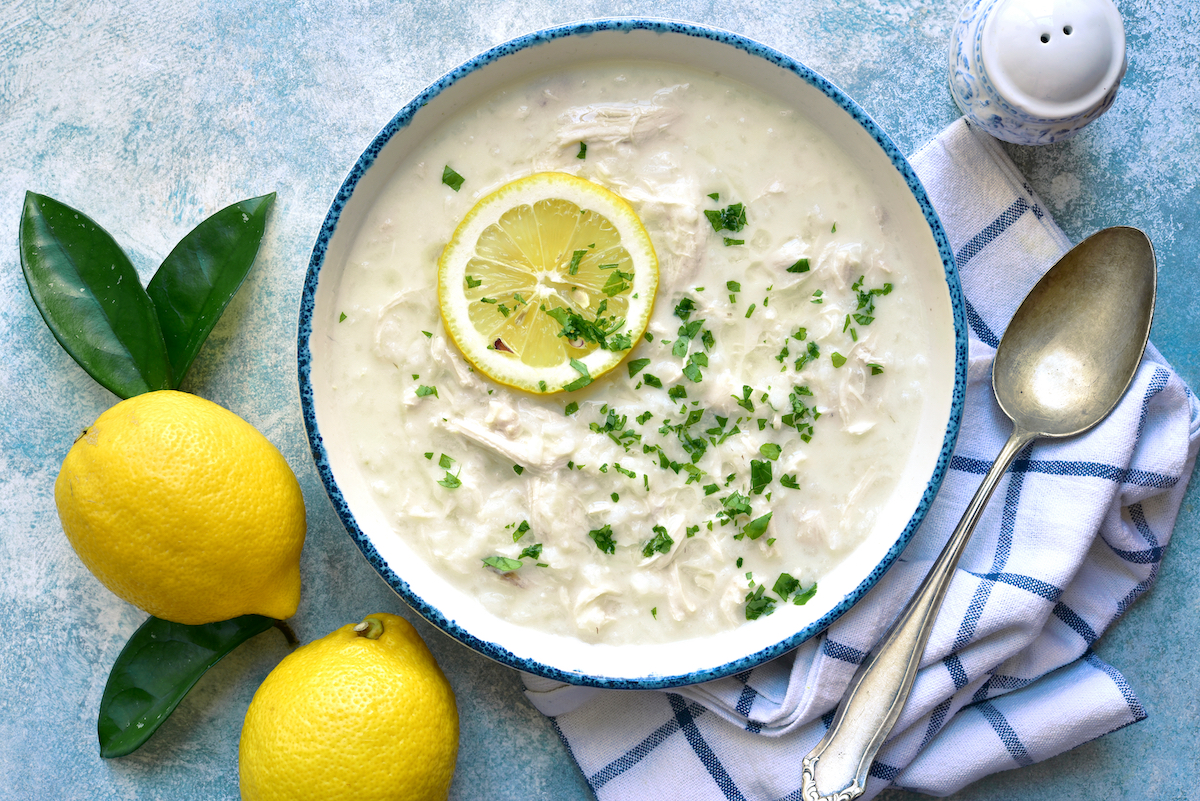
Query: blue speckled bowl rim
x,y
401,120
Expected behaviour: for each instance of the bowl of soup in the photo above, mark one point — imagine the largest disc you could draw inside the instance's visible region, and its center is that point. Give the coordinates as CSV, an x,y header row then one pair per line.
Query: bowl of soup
x,y
765,448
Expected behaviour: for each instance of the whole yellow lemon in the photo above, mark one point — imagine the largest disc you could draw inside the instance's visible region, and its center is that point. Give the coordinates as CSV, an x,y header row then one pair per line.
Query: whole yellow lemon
x,y
363,714
185,510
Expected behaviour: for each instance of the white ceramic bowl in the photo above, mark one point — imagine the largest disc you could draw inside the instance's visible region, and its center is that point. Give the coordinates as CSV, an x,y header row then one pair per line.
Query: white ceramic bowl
x,y
676,663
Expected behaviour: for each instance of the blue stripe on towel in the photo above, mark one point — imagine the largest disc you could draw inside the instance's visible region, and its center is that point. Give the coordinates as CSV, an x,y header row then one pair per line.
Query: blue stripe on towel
x,y
977,243
641,751
1141,478
707,758
843,652
1022,582
1135,706
1016,749
1077,624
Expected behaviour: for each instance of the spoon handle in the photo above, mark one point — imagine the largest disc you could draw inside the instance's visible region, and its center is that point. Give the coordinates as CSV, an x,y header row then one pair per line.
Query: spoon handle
x,y
881,686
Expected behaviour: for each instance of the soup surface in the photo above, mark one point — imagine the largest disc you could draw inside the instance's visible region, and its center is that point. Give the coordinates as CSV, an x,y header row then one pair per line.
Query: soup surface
x,y
749,440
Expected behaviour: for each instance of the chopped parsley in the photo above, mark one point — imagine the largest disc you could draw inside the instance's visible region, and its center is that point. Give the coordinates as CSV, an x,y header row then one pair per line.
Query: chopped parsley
x,y
604,539
800,266
617,283
576,257
424,391
760,476
806,596
582,154
445,462
876,369
602,331
652,381
637,365
729,242
837,359
770,450
452,179
450,481
520,530
660,543
571,408
518,469
730,218
864,314
716,196
745,401
531,552
785,585
342,317
584,379
473,282
802,415
614,427
789,481
684,309
502,563
810,355
758,526
734,505
757,604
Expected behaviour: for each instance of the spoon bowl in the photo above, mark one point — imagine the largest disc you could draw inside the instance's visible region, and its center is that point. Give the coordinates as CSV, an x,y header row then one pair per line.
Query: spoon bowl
x,y
1070,352
1074,344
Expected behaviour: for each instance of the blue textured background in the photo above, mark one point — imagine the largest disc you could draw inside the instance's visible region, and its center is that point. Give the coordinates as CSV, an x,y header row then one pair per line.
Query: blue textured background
x,y
151,117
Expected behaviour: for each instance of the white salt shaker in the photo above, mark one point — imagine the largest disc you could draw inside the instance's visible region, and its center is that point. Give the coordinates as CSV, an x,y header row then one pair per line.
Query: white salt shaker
x,y
1033,72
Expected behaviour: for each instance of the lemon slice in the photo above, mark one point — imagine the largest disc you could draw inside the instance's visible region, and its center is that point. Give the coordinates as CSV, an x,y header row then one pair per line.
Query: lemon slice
x,y
548,282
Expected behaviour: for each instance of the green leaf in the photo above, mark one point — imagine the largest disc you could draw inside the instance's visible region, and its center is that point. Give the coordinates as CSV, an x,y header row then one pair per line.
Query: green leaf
x,y
155,670
758,526
502,563
197,280
452,179
89,294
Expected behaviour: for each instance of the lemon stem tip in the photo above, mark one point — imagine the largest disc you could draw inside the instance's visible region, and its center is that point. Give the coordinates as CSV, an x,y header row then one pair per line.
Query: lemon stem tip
x,y
288,633
370,627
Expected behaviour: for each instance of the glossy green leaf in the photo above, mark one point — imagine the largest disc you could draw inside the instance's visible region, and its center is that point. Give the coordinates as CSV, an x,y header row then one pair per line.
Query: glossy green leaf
x,y
90,296
155,670
201,275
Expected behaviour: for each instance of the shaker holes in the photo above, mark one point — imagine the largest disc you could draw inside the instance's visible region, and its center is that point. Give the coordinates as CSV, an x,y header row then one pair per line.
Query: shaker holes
x,y
1067,29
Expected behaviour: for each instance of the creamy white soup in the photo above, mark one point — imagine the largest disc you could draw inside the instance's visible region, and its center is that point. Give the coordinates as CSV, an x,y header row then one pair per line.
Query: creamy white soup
x,y
748,441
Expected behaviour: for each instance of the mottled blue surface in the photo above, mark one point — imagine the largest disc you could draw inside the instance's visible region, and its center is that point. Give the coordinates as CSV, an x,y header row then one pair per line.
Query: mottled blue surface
x,y
152,116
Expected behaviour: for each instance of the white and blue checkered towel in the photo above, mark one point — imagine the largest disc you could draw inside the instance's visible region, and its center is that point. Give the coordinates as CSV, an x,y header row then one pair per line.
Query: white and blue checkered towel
x,y
1074,533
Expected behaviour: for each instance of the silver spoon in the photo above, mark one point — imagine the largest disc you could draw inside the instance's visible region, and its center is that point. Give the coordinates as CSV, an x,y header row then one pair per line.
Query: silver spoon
x,y
1067,357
